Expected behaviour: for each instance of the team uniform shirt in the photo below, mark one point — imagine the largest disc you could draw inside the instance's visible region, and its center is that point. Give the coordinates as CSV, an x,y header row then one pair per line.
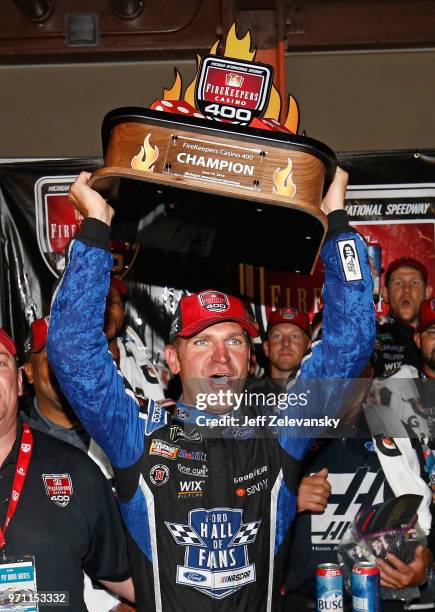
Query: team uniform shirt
x,y
69,527
395,347
357,477
206,518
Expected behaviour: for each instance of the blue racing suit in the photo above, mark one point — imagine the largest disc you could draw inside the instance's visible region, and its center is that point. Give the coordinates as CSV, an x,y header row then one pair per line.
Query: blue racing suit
x,y
207,519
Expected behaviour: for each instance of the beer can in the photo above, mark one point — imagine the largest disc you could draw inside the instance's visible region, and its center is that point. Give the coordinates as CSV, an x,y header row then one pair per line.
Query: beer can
x,y
366,587
329,587
375,254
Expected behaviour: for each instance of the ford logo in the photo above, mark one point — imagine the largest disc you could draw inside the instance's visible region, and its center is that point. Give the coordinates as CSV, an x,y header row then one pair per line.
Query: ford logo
x,y
194,577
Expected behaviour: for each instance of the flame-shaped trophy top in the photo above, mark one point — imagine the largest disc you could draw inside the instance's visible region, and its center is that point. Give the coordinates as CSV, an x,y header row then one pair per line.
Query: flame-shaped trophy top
x,y
220,136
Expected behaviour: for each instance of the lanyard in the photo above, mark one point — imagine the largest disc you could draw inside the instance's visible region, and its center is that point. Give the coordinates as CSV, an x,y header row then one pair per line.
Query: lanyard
x,y
25,453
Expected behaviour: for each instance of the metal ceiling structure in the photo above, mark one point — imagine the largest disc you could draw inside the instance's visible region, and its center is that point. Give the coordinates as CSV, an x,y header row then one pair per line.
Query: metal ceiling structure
x,y
119,30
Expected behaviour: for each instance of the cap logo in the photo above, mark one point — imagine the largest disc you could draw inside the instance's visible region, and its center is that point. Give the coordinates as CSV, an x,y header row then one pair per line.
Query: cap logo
x,y
288,313
214,301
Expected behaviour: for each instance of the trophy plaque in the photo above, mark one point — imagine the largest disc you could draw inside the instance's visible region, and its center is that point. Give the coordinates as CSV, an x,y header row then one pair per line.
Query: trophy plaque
x,y
214,174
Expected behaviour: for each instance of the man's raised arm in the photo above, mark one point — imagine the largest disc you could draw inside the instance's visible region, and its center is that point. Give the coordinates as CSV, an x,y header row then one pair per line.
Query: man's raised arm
x,y
349,320
76,345
349,325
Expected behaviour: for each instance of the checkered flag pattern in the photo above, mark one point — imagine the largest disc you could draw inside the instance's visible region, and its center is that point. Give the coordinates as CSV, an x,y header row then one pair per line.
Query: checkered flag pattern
x,y
246,534
184,535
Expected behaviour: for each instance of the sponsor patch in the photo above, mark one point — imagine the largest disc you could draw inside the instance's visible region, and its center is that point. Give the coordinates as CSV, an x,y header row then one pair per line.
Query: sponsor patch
x,y
191,488
182,414
387,446
194,455
370,446
159,447
176,432
253,474
58,488
349,259
214,301
159,474
157,418
288,313
193,471
170,451
216,561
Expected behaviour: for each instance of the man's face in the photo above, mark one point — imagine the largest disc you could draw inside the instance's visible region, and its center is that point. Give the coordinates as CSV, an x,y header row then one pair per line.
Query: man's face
x,y
41,376
10,386
405,292
426,343
114,315
285,347
214,360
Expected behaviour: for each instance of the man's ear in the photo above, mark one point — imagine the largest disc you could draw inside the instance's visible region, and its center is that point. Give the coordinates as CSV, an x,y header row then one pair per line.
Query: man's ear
x,y
417,339
384,293
428,292
171,357
28,369
266,347
308,344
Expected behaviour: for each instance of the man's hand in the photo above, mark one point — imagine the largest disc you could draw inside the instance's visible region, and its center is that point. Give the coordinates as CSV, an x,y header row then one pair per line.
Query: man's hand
x,y
89,202
334,198
314,492
403,575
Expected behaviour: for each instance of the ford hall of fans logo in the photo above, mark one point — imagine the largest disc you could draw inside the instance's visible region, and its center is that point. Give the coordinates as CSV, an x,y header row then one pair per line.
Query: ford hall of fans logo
x,y
57,221
216,560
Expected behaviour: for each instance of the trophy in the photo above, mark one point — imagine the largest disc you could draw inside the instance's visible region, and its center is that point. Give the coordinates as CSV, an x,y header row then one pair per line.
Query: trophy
x,y
212,174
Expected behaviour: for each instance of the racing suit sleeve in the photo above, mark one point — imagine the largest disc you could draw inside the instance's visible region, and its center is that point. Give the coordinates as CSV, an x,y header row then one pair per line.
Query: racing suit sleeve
x,y
78,351
348,333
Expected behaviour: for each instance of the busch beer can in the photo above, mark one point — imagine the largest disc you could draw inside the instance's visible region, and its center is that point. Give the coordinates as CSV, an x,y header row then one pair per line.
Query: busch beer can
x,y
329,587
365,587
375,254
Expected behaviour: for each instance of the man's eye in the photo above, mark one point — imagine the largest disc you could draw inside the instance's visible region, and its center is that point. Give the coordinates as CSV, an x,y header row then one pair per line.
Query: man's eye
x,y
200,343
234,341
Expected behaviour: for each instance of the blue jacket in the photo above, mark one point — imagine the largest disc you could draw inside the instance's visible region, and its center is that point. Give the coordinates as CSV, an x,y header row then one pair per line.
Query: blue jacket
x,y
206,518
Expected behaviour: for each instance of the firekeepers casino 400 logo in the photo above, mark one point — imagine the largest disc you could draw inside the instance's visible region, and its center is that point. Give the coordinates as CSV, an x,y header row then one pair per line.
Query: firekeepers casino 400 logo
x,y
58,488
57,221
216,559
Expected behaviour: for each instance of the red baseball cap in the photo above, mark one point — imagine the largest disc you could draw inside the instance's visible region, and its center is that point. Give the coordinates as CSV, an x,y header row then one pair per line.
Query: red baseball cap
x,y
289,315
38,334
7,342
200,310
427,314
405,262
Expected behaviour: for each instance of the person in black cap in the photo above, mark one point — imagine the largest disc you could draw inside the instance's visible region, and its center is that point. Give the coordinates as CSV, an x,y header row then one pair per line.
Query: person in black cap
x,y
406,286
48,411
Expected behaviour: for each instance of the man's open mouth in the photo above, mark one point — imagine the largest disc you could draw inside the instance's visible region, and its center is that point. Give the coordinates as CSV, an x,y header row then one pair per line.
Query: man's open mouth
x,y
220,380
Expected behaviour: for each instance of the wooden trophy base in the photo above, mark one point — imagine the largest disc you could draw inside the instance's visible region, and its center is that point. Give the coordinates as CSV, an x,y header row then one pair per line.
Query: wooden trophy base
x,y
204,189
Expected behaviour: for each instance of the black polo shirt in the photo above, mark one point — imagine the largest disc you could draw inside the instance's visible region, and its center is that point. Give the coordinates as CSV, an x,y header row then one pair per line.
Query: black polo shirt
x,y
79,531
